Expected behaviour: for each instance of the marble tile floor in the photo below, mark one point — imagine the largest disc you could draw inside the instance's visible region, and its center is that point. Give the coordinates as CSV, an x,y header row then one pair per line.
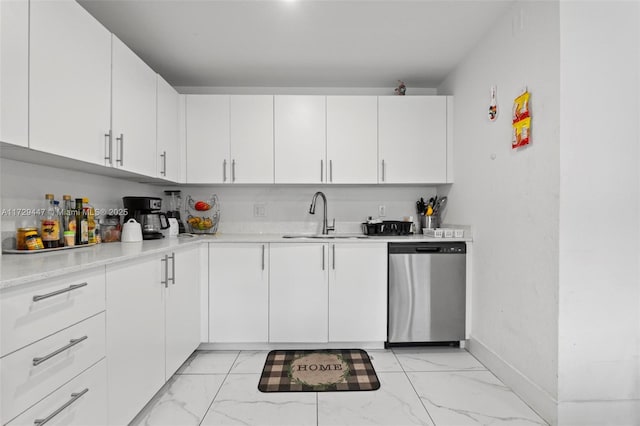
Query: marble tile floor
x,y
419,386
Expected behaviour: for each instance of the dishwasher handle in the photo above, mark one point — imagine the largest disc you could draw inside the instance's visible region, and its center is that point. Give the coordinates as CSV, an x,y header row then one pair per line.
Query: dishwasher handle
x,y
427,249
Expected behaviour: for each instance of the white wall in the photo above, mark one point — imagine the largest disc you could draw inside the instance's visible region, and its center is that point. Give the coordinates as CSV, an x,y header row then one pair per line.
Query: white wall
x,y
510,198
599,349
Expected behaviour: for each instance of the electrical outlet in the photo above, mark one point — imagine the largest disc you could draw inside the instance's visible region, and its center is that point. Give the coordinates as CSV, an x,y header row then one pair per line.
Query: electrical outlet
x,y
382,210
259,210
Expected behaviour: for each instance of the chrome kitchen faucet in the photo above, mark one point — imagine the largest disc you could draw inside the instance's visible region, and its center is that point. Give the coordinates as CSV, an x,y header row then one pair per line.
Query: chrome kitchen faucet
x,y
325,224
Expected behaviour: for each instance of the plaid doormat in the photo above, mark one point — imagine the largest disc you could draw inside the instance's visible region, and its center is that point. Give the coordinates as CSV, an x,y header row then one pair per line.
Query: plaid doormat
x,y
318,371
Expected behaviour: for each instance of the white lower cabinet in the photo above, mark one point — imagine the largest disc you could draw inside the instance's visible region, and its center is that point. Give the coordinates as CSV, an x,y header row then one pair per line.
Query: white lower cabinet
x,y
298,292
81,402
135,336
153,314
358,292
239,293
182,308
33,372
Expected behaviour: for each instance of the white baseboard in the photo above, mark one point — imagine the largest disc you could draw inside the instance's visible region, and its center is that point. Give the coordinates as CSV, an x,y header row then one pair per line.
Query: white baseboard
x,y
301,346
545,405
598,413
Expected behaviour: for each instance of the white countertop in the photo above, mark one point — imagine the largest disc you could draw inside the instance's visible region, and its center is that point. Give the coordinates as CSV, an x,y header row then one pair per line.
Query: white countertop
x,y
18,269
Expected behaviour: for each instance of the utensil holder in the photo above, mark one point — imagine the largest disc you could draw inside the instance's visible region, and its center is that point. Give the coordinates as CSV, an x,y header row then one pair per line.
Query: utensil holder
x,y
429,222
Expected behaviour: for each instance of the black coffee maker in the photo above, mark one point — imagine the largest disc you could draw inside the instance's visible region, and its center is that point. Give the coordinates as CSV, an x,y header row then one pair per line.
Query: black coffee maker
x,y
146,211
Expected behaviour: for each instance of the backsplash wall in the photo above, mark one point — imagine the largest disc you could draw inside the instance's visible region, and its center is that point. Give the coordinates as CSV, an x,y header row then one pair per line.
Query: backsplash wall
x,y
23,185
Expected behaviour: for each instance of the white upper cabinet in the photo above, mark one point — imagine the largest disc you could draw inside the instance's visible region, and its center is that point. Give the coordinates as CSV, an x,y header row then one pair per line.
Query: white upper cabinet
x,y
300,138
207,138
352,139
412,137
251,138
133,109
70,81
14,72
168,143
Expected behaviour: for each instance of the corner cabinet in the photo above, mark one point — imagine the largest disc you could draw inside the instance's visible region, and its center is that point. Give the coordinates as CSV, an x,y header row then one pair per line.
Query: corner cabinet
x,y
168,132
69,81
152,326
239,293
412,139
133,109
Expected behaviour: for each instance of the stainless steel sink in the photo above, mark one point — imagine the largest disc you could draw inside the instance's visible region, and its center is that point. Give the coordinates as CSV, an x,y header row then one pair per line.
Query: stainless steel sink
x,y
329,236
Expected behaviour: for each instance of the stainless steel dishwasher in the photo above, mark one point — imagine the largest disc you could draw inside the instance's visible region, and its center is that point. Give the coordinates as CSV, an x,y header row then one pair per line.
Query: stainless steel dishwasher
x,y
427,289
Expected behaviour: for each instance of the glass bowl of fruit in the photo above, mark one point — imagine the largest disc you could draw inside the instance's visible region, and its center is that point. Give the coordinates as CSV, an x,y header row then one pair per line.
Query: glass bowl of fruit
x,y
203,215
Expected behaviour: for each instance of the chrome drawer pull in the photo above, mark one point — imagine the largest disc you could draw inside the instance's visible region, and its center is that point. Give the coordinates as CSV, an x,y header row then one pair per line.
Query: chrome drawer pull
x,y
72,343
57,292
74,397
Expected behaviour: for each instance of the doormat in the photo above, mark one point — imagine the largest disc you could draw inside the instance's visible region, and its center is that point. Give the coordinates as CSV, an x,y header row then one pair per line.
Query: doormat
x,y
318,371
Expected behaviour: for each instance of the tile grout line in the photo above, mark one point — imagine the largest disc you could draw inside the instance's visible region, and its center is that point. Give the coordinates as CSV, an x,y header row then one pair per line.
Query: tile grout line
x,y
413,387
219,389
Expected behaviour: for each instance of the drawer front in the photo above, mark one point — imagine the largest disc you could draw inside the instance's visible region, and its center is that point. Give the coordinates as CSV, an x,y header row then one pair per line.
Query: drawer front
x,y
81,402
59,357
58,304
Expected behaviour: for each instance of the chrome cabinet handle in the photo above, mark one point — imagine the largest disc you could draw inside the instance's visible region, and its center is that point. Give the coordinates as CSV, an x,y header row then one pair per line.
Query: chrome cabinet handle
x,y
163,172
109,142
224,170
121,140
321,170
331,170
165,259
263,257
173,268
72,287
233,170
334,257
323,258
39,360
74,397
383,170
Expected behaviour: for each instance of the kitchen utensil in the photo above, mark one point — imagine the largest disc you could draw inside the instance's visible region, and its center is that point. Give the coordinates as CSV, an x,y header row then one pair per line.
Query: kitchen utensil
x,y
440,206
131,232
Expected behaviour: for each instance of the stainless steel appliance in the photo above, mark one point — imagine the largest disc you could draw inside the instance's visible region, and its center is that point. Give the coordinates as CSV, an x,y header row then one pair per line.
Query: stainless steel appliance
x,y
145,210
427,293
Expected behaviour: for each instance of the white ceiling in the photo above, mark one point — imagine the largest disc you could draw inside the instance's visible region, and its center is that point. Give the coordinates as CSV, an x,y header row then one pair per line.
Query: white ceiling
x,y
303,43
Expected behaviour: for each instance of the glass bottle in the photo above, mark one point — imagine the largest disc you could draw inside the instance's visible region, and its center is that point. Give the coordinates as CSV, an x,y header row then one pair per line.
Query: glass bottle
x,y
82,228
50,224
90,214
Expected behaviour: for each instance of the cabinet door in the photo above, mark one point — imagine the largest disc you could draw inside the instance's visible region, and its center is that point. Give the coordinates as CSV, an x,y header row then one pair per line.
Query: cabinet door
x,y
69,81
352,139
135,336
412,139
207,121
358,292
298,293
251,135
133,111
239,293
182,310
300,139
168,155
14,72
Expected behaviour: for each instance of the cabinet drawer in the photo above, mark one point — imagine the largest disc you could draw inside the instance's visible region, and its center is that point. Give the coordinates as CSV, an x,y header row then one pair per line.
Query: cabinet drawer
x,y
31,312
82,402
59,357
